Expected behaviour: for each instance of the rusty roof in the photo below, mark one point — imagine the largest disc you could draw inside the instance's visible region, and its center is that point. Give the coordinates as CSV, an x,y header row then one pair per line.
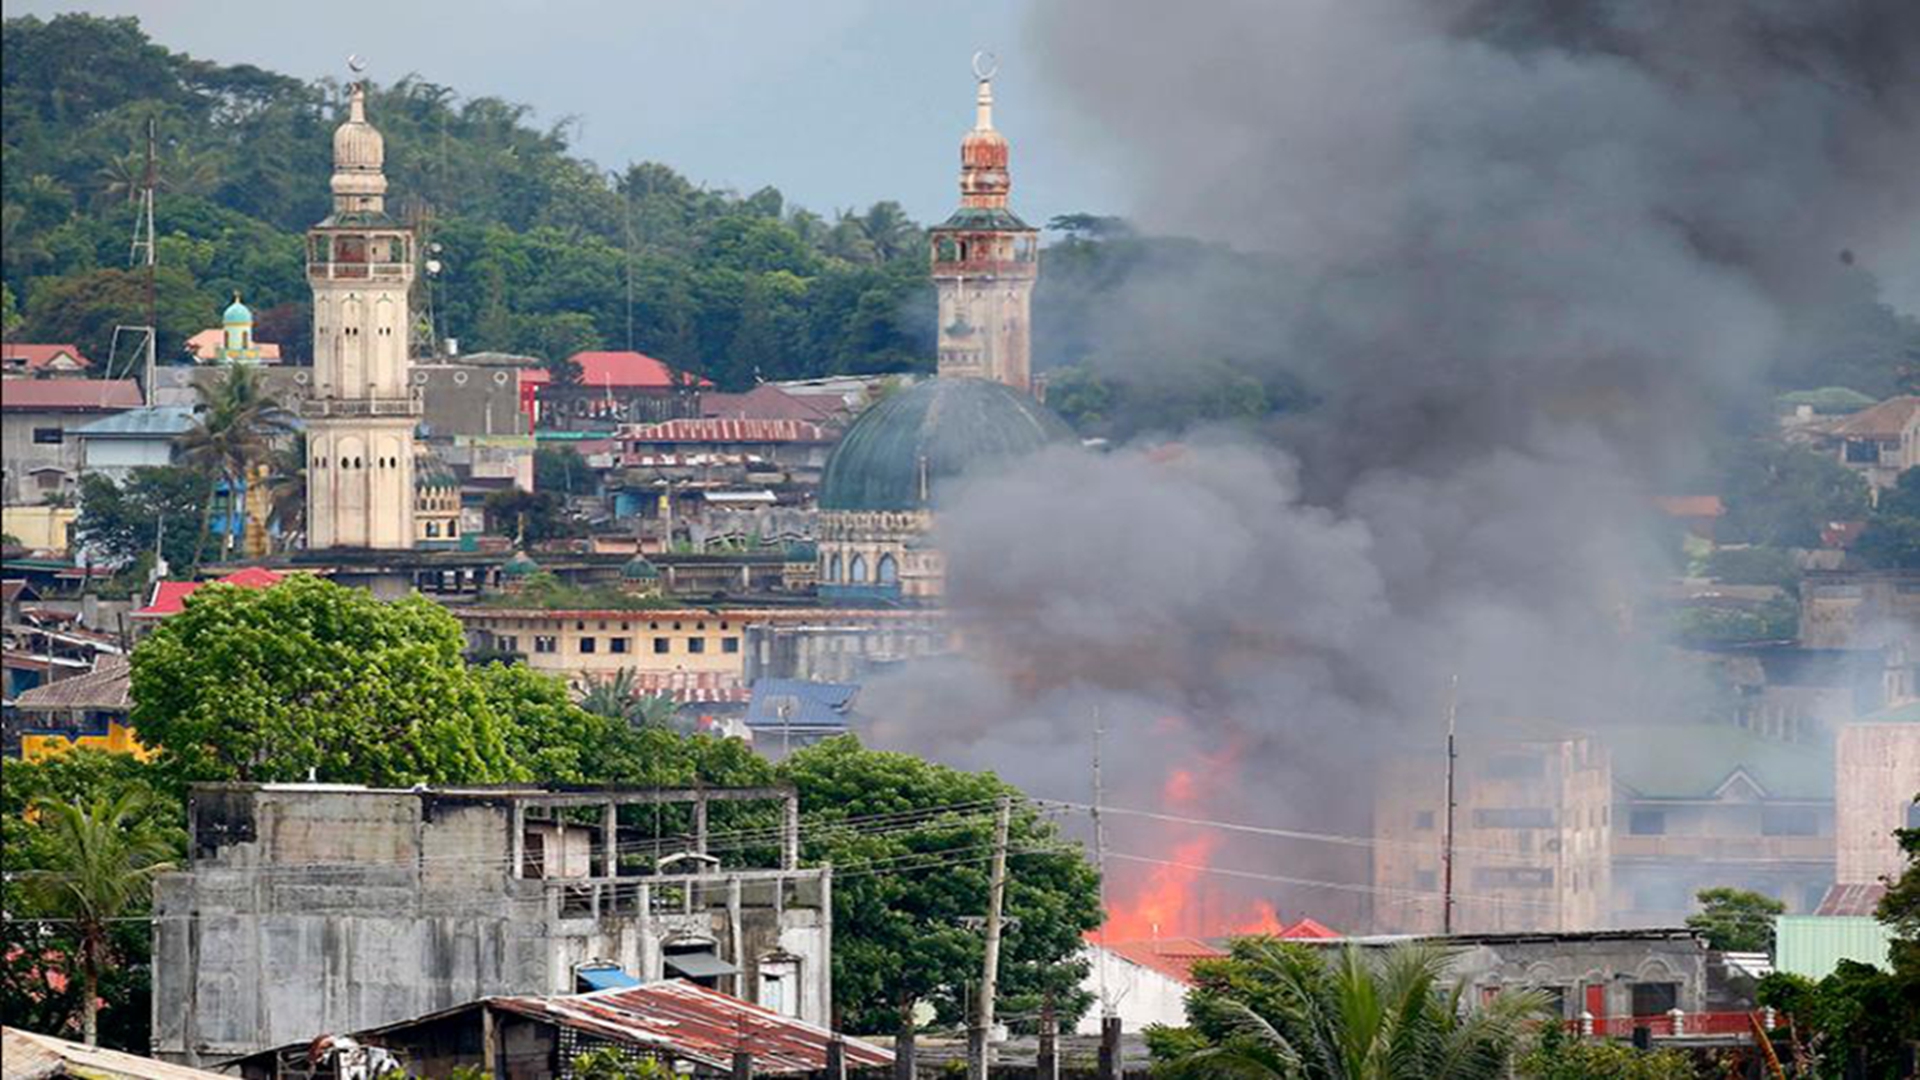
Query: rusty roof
x,y
29,1056
1851,900
1172,957
696,1024
104,688
1882,421
717,429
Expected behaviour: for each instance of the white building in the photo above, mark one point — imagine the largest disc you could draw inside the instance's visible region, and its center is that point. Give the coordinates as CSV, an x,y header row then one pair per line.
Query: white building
x,y
362,410
1144,982
147,437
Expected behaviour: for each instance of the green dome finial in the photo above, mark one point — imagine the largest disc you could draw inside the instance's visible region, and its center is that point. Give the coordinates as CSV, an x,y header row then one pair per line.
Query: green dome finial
x,y
237,312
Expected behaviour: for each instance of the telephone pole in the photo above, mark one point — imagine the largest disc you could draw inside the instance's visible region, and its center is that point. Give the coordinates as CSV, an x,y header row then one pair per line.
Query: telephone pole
x,y
1446,855
980,1062
1100,863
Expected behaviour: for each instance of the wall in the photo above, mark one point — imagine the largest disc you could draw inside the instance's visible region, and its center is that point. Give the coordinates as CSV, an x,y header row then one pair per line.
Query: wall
x,y
1814,945
117,458
1141,995
22,455
1608,964
40,528
1877,777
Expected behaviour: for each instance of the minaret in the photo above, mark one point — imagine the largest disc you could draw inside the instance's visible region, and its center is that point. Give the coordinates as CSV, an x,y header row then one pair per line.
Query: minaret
x,y
985,261
361,410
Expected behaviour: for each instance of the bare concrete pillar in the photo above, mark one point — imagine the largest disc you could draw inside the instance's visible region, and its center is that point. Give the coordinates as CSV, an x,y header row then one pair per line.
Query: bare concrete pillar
x,y
790,832
700,823
1111,1065
519,841
610,841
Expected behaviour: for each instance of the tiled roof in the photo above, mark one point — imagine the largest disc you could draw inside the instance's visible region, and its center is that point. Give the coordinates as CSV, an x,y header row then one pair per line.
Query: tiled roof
x,y
36,357
1851,900
632,370
696,1024
1172,957
1883,421
105,688
691,687
724,430
148,422
70,395
1310,930
169,597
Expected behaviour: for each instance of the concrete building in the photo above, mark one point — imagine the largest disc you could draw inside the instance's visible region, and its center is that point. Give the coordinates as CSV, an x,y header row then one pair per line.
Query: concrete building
x,y
1532,833
1878,442
38,418
615,388
1704,805
828,648
1876,779
149,437
1146,982
362,406
315,908
985,263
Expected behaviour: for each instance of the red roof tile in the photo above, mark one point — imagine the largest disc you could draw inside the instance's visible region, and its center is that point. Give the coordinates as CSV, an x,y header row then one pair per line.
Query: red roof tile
x,y
70,394
1690,506
696,1024
1172,957
1882,421
37,357
1310,930
170,597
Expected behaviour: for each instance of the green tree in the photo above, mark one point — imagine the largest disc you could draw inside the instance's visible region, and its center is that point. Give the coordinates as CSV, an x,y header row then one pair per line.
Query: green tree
x,y
1277,1009
84,308
562,471
1782,496
1561,1056
311,678
1892,537
104,871
608,1063
529,516
1736,920
621,698
119,523
899,939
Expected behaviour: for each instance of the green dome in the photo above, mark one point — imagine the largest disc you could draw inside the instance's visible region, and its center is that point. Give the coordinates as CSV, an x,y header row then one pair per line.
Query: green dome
x,y
949,424
639,569
237,312
520,566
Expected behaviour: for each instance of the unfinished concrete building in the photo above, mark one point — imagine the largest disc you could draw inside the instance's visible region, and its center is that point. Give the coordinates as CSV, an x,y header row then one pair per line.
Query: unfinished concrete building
x,y
309,909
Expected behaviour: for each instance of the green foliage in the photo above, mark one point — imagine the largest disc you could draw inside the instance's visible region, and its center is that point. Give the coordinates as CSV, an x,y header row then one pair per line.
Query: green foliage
x,y
562,471
119,523
1782,496
84,308
1755,566
1776,620
1736,920
1892,536
1278,1009
529,516
308,676
1560,1056
621,699
898,939
609,1063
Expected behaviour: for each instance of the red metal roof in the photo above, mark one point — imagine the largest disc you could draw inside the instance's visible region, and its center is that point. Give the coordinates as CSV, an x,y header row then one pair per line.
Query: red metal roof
x,y
70,394
1172,957
632,370
1310,930
724,430
36,357
687,687
696,1024
170,597
1851,899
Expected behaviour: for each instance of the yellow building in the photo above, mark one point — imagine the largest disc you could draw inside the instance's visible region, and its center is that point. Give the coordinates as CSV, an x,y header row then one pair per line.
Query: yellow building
x,y
87,710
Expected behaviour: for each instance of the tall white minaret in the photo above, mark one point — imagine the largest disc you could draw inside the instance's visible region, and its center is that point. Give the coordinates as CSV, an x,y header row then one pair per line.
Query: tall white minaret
x,y
361,411
985,262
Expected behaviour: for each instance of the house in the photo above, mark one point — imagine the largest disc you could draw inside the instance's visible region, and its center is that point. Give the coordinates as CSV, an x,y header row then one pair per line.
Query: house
x,y
1843,927
209,346
21,360
785,714
692,1030
1698,805
1533,825
1878,442
147,437
619,387
29,1056
37,419
170,597
749,451
308,909
88,711
480,394
1143,982
770,402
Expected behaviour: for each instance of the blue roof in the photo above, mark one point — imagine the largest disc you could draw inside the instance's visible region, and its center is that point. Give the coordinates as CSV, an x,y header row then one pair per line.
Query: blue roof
x,y
237,312
606,978
808,704
148,422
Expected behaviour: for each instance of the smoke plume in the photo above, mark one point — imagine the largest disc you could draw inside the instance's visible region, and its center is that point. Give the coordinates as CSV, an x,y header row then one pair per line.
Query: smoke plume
x,y
1526,257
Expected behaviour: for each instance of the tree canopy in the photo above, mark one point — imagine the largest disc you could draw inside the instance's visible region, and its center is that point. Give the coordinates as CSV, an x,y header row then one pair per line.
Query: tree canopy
x,y
1736,920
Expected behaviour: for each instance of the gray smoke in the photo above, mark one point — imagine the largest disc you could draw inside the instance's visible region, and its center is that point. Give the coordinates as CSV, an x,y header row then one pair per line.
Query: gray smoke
x,y
1528,257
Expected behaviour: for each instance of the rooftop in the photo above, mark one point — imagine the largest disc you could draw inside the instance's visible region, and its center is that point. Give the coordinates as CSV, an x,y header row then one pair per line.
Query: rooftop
x,y
40,1057
805,704
1882,421
170,597
769,402
1172,957
39,357
626,370
106,688
146,422
1694,761
67,394
726,430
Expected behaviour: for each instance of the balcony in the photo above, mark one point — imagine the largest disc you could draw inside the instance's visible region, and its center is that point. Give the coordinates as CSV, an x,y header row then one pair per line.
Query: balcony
x,y
359,271
323,408
1812,849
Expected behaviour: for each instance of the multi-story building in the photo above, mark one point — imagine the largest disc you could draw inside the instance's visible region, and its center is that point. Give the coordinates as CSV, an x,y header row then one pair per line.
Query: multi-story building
x,y
38,421
1533,823
309,909
1704,805
362,408
1878,442
1876,780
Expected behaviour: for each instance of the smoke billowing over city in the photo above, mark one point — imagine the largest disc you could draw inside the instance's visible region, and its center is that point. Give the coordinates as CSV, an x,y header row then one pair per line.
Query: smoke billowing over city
x,y
1525,261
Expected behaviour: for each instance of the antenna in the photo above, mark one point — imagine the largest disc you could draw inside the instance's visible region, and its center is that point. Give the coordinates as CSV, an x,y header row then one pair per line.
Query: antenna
x,y
1100,860
141,253
1446,855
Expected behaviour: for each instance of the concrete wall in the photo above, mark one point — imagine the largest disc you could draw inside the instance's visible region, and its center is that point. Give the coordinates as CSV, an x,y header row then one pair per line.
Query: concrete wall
x,y
316,908
117,458
1877,776
23,456
1141,996
1571,965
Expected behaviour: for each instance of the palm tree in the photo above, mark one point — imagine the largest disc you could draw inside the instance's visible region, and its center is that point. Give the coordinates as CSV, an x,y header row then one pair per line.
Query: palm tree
x,y
1351,1017
105,868
620,698
891,232
287,481
238,422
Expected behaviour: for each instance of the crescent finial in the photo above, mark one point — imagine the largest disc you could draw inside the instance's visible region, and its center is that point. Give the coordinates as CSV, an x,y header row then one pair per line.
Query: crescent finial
x,y
985,64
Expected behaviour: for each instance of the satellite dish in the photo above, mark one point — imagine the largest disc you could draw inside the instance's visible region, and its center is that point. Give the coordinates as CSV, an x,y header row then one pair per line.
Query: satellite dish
x,y
433,266
356,63
985,64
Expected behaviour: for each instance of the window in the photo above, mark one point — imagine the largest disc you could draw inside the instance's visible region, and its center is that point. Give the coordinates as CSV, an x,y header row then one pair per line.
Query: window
x,y
545,643
1863,451
1789,821
660,645
1423,880
507,643
857,570
1423,820
1655,998
588,645
618,644
729,644
696,644
49,479
1647,822
48,435
1913,815
1557,997
887,572
1513,817
1512,877
433,530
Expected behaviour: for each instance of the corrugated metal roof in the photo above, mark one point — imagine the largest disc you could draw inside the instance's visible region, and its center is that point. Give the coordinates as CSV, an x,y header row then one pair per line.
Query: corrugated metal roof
x,y
717,429
697,1024
28,1056
809,704
1814,945
153,421
70,395
1858,900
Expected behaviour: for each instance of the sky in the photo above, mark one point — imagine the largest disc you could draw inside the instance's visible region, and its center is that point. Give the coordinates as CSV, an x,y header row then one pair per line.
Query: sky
x,y
838,103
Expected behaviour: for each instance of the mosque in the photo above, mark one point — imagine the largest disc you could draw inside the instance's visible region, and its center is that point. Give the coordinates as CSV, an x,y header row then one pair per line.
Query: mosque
x,y
881,486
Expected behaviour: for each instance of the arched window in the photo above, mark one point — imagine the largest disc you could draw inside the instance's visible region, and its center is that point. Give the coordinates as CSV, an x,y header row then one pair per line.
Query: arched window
x,y
857,570
887,572
833,568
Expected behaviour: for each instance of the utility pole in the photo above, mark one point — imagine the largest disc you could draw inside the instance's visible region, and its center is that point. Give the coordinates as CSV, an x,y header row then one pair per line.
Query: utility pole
x,y
1100,864
1446,855
980,1062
